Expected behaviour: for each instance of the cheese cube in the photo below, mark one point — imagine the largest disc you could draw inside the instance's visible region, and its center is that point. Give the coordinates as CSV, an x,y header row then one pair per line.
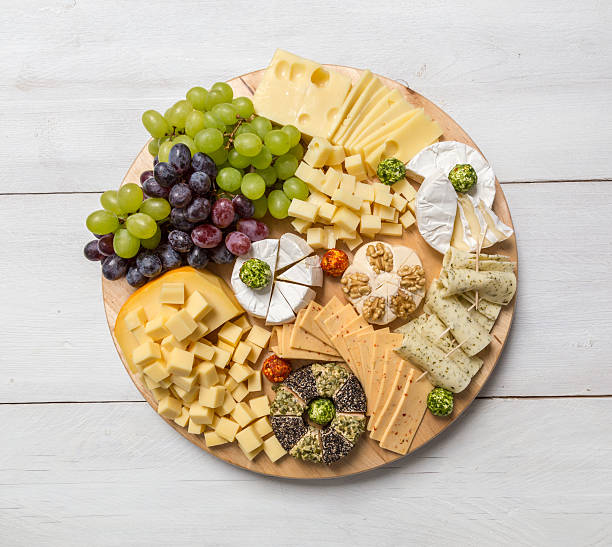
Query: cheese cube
x,y
230,333
366,208
251,455
243,414
201,330
248,439
181,325
146,353
221,357
159,393
150,383
382,194
255,352
399,202
141,336
312,177
240,372
317,198
336,155
326,212
230,384
346,218
183,419
273,449
343,233
180,362
353,243
262,426
156,370
185,382
354,166
348,183
170,342
172,293
222,376
197,306
212,397
303,210
260,406
300,225
369,224
318,151
396,216
364,191
404,188
259,336
228,405
207,374
135,318
385,213
407,220
240,392
243,323
225,346
165,383
412,206
331,181
195,429
390,229
330,237
241,352
316,238
155,328
343,197
185,396
202,351
227,429
202,415
211,438
169,407
254,381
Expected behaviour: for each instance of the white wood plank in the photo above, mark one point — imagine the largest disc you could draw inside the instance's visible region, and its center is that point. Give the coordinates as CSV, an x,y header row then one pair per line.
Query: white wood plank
x,y
528,80
115,474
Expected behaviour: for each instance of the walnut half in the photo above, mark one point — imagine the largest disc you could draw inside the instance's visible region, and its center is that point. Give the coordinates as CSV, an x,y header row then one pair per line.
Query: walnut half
x,y
402,304
374,308
356,285
380,257
412,278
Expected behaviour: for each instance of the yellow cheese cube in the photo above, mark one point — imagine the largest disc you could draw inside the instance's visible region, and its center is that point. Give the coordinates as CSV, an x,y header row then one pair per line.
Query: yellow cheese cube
x,y
366,208
185,382
141,336
211,438
240,392
207,374
243,323
172,293
396,216
316,238
197,306
404,188
336,155
412,206
156,328
248,439
202,351
303,210
170,342
273,449
241,352
348,183
230,334
157,370
243,414
317,198
343,197
326,212
184,395
407,220
135,318
331,181
221,357
183,419
180,362
202,415
165,383
150,383
230,384
390,229
225,346
251,455
382,194
259,336
330,237
169,407
255,352
227,429
228,405
240,372
300,225
317,153
343,233
201,330
181,325
195,429
260,406
312,177
215,421
354,166
212,397
346,218
146,353
370,224
262,426
353,243
364,191
254,381
385,213
159,393
399,202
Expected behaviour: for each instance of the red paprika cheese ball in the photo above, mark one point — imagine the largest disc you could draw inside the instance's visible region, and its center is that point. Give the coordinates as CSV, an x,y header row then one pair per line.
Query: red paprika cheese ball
x,y
334,262
276,369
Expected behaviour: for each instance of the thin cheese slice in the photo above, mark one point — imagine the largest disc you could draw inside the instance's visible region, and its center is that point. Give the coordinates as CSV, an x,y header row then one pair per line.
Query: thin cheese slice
x,y
365,342
351,341
377,99
363,99
308,323
287,352
384,341
300,339
378,136
339,342
368,359
390,366
364,80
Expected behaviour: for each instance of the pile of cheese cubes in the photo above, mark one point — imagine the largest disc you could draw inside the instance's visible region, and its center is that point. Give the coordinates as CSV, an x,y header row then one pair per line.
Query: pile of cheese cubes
x,y
204,387
347,207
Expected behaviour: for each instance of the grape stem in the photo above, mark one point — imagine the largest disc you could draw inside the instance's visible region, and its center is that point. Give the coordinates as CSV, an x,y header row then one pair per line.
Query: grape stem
x,y
231,135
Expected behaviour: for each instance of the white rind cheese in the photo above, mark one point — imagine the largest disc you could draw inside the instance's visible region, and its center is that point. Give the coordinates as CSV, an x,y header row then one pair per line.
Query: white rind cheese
x,y
298,296
292,248
279,311
306,272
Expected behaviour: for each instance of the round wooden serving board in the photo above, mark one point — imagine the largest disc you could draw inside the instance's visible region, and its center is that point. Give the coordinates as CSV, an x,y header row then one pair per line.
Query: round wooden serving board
x,y
367,454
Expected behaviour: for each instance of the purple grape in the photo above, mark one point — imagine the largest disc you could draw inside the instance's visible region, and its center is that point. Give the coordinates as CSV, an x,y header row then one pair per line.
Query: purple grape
x,y
206,236
154,189
200,184
149,264
180,195
178,219
134,277
198,258
180,158
202,162
114,267
223,213
198,210
105,244
92,252
165,174
180,241
169,257
222,255
145,175
253,229
243,206
155,161
237,243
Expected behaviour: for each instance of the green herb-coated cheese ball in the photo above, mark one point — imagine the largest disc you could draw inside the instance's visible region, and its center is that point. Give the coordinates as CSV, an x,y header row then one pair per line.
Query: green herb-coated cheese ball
x,y
391,171
463,177
440,401
255,273
321,411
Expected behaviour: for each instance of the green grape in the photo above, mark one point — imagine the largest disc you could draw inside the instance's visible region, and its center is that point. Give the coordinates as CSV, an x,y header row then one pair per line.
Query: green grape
x,y
187,141
261,207
213,98
238,160
268,174
293,133
229,179
102,222
263,159
155,123
196,97
224,89
152,242
261,125
225,113
277,142
248,144
194,123
245,128
153,147
129,197
285,166
253,186
125,244
219,156
209,140
109,201
278,204
164,150
178,113
156,208
141,226
244,106
211,122
295,188
297,151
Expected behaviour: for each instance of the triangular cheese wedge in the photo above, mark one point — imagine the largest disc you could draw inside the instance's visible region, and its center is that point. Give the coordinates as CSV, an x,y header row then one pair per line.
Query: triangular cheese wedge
x,y
306,272
298,296
292,248
279,311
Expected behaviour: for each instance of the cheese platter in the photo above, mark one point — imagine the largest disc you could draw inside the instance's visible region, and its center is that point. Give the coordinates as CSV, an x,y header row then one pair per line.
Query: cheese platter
x,y
348,289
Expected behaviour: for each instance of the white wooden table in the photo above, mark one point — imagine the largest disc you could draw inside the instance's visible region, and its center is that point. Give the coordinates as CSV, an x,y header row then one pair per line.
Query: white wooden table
x,y
84,461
